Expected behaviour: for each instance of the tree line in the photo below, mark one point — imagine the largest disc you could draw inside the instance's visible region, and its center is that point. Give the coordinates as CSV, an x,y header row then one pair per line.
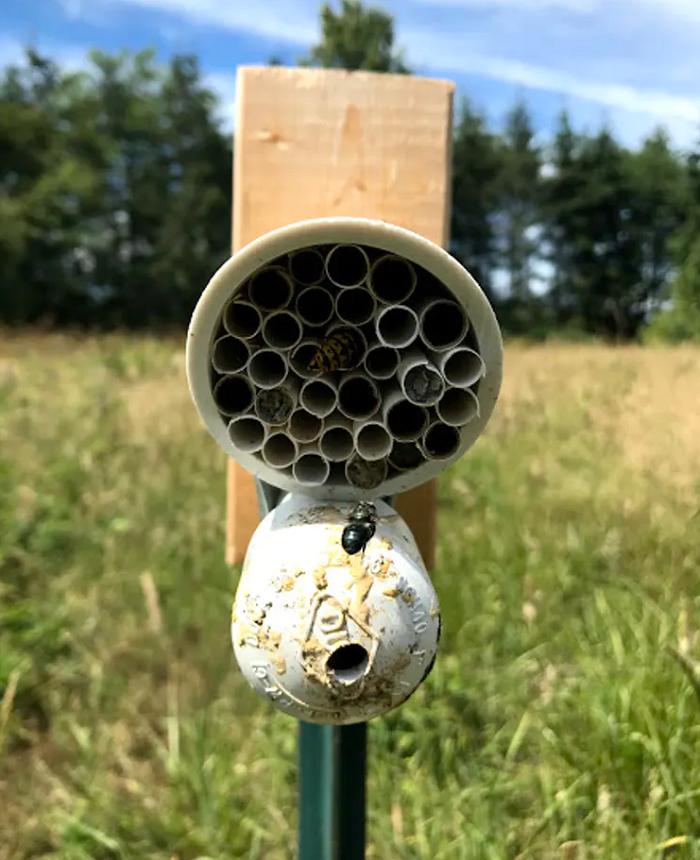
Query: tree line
x,y
115,200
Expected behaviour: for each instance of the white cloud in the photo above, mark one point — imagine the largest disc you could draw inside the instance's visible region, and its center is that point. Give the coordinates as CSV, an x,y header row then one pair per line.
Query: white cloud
x,y
516,5
661,105
621,75
685,10
283,19
296,21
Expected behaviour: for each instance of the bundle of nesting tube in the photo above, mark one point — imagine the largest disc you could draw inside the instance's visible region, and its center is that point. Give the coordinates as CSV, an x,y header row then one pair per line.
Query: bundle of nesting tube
x,y
344,357
345,365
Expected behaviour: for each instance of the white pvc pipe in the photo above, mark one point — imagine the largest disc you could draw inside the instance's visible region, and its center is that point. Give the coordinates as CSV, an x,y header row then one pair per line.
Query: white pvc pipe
x,y
311,469
281,330
355,305
458,406
440,441
419,379
275,405
392,279
405,456
396,325
301,356
233,394
461,366
443,324
306,266
358,395
365,474
347,265
336,443
315,306
381,362
270,288
229,354
279,450
372,440
247,433
268,368
319,396
242,319
451,280
405,421
304,426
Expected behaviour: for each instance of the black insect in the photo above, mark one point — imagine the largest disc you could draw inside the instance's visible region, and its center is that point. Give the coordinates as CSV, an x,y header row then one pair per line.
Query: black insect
x,y
360,528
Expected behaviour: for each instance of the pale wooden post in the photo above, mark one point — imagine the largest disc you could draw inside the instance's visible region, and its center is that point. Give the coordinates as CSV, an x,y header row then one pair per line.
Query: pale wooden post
x,y
313,143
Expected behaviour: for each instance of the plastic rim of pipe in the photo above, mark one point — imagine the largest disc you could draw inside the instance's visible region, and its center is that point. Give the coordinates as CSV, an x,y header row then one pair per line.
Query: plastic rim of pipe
x,y
233,274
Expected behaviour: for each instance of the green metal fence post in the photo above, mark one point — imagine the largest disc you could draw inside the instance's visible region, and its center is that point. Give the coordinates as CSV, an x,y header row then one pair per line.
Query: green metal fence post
x,y
332,791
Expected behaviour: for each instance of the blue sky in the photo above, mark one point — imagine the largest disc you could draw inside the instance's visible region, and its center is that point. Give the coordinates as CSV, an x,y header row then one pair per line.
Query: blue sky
x,y
633,64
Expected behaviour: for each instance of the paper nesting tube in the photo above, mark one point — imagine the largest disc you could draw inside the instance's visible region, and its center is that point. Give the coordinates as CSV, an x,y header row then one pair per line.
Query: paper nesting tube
x,y
457,407
358,395
420,381
365,474
443,324
306,266
440,441
275,405
336,443
347,265
247,433
304,426
396,325
268,368
242,319
270,288
279,450
319,396
391,279
460,366
311,469
229,354
281,330
233,394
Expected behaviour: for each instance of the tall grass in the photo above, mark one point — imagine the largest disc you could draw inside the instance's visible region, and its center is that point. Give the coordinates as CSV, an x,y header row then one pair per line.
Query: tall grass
x,y
562,719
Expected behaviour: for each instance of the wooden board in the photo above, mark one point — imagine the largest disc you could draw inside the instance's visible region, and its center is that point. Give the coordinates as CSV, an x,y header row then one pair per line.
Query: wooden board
x,y
314,143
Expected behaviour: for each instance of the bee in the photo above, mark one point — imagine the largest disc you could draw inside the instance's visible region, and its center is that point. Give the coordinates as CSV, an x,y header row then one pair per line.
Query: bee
x,y
361,526
341,350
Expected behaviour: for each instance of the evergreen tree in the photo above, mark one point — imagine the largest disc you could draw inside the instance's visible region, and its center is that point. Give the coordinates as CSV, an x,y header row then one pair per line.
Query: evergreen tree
x,y
115,188
681,319
606,261
115,184
609,216
195,226
519,201
658,205
561,189
356,37
476,160
48,190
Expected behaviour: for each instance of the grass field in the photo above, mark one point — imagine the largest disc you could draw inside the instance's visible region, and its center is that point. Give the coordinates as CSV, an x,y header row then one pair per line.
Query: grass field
x,y
562,719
